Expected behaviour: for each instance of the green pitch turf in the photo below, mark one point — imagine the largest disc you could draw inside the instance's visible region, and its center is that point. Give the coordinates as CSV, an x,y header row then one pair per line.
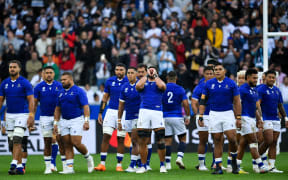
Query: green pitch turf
x,y
35,168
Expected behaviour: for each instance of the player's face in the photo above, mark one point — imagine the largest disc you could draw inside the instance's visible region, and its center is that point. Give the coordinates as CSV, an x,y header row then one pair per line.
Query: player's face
x,y
131,75
270,79
141,72
252,80
120,72
66,81
219,72
49,75
14,69
241,80
209,74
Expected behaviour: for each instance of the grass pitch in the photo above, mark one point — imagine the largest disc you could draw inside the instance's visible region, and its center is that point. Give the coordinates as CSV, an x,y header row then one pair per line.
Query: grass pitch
x,y
35,168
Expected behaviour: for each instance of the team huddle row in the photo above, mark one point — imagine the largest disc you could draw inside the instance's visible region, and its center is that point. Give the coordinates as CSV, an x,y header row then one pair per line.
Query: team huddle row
x,y
139,103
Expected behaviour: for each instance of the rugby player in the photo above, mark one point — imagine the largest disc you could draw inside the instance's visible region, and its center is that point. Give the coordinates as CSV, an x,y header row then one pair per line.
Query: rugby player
x,y
151,89
71,104
46,92
271,101
130,101
173,99
19,114
223,95
250,106
112,90
202,131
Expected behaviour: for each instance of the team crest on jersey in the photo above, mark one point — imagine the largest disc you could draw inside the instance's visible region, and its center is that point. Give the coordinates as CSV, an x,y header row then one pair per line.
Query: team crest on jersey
x,y
56,89
60,94
268,92
226,86
113,83
43,89
146,84
213,86
6,86
126,90
131,89
71,93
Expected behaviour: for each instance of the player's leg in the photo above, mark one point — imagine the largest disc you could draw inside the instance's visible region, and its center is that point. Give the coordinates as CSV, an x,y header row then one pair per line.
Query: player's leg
x,y
149,154
54,152
62,151
272,153
181,150
168,143
267,140
203,139
143,135
130,127
69,153
17,150
24,150
231,136
120,149
47,154
109,124
160,139
218,150
241,150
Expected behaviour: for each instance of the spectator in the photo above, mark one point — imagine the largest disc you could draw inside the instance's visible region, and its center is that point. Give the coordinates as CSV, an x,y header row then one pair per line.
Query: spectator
x,y
180,51
170,8
43,20
96,99
150,58
256,33
85,62
208,52
100,91
33,66
215,35
279,56
106,44
11,39
19,33
9,54
138,32
66,60
200,17
102,69
284,90
193,57
37,78
165,59
227,29
69,37
42,43
50,59
59,42
230,56
154,35
200,30
245,32
3,69
151,12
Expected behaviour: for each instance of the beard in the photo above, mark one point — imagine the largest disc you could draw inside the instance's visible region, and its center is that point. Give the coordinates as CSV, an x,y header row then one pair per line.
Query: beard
x,y
13,74
66,86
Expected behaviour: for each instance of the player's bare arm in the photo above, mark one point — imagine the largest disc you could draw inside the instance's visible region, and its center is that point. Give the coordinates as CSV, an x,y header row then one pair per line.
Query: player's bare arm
x,y
195,107
2,123
35,105
30,121
86,117
259,115
283,113
237,110
202,108
120,113
102,107
57,114
141,83
186,106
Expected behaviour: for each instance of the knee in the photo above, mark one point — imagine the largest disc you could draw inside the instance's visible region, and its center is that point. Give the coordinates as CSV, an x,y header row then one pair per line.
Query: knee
x,y
144,134
120,140
76,143
160,135
24,143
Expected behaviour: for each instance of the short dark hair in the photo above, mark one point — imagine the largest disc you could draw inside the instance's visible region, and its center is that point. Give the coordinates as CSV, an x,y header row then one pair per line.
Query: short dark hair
x,y
270,72
154,68
17,62
67,74
249,72
121,65
48,67
131,67
212,61
172,75
218,64
208,68
141,65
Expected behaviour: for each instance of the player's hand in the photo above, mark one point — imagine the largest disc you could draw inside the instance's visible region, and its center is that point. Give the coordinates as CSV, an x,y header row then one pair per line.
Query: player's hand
x,y
260,124
238,124
3,130
187,120
120,126
30,122
200,121
86,126
100,120
55,129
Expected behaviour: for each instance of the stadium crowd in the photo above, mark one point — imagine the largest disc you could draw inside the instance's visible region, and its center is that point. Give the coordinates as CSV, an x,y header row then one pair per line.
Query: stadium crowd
x,y
89,37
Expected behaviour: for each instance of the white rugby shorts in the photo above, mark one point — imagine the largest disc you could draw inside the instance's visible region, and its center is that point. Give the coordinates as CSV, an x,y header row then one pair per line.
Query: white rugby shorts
x,y
174,126
150,119
206,123
221,121
272,124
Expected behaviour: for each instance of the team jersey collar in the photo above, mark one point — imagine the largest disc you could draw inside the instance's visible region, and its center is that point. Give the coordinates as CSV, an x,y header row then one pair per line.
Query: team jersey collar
x,y
13,81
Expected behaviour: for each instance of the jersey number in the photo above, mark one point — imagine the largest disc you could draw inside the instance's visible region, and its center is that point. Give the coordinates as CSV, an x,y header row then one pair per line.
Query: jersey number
x,y
170,94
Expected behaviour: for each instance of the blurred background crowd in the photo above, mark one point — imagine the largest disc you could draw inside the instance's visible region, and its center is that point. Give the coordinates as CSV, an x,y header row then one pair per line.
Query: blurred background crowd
x,y
89,37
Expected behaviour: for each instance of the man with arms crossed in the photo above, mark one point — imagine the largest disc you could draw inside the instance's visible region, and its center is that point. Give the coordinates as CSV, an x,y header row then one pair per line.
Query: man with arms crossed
x,y
19,114
223,95
46,93
250,108
202,131
71,103
112,90
271,101
130,101
173,99
151,89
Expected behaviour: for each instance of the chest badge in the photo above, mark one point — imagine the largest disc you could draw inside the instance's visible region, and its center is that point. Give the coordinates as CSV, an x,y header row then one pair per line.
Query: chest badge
x,y
213,86
113,83
6,86
268,92
19,85
43,89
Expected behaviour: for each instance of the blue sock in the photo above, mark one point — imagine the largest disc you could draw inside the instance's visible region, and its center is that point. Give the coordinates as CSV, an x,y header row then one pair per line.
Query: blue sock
x,y
54,153
218,161
168,154
119,157
144,165
138,161
233,155
254,162
213,157
130,150
264,157
133,161
103,156
229,160
181,149
149,146
162,164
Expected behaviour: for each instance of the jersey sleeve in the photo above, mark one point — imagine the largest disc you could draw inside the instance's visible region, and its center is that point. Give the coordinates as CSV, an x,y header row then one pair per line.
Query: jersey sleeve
x,y
107,87
28,88
82,97
184,97
122,94
58,104
2,91
242,93
260,93
205,90
235,89
280,101
197,93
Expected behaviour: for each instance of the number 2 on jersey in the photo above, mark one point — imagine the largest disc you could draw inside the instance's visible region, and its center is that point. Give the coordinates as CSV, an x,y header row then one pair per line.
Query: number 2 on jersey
x,y
170,94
